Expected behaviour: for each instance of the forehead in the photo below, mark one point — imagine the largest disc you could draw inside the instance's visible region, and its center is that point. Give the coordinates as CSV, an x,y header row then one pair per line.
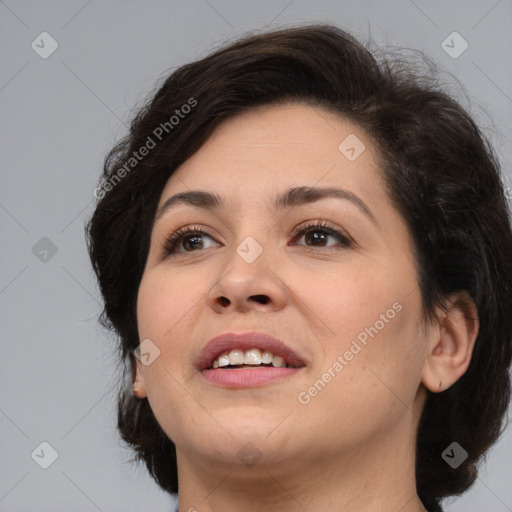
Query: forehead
x,y
267,149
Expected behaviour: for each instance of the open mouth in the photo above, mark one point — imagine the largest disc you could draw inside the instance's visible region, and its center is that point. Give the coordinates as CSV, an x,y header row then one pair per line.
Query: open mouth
x,y
244,360
252,358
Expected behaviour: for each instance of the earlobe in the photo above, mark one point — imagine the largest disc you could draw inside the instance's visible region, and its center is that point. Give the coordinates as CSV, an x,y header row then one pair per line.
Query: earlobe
x,y
139,386
451,344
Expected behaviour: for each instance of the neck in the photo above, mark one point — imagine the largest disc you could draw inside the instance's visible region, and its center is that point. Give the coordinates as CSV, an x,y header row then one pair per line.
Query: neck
x,y
376,476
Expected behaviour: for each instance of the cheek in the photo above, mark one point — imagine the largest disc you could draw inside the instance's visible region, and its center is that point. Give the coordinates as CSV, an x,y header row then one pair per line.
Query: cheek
x,y
166,313
372,320
375,380
163,302
386,368
347,301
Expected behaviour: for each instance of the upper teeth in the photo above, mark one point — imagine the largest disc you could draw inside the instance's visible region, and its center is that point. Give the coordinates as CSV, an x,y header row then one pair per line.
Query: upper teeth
x,y
253,356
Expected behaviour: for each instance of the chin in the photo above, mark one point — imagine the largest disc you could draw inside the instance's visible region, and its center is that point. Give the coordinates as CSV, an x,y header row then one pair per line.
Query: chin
x,y
249,422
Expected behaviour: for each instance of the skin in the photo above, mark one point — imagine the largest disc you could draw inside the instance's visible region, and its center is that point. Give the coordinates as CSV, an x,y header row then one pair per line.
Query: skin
x,y
351,447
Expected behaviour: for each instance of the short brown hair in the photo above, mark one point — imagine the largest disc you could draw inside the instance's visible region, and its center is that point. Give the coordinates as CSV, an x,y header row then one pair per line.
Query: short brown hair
x,y
441,174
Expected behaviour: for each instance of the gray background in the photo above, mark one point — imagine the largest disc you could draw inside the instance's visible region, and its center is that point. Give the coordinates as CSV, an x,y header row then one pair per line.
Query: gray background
x,y
58,117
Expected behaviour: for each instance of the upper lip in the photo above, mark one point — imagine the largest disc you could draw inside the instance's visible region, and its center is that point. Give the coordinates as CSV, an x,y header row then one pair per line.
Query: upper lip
x,y
228,341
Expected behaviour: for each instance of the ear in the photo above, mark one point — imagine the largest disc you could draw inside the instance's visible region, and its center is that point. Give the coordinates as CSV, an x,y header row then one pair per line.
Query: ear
x,y
451,343
139,385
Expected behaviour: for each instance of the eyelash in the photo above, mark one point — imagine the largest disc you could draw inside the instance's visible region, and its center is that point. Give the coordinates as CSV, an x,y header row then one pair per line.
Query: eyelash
x,y
311,226
307,227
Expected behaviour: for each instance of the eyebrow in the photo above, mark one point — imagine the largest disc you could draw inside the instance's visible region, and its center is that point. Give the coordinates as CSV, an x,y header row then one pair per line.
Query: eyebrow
x,y
292,197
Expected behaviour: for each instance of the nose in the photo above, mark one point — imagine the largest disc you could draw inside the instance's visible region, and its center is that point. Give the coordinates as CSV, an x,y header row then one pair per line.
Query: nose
x,y
245,286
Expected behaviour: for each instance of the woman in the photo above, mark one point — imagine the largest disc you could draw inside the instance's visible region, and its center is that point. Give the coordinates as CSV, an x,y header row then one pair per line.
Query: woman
x,y
305,254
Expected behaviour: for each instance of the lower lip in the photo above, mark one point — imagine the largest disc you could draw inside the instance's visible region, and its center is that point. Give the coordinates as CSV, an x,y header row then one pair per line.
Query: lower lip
x,y
247,377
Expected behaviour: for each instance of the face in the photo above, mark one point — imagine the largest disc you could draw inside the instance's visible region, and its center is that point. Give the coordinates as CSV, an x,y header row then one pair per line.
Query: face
x,y
332,277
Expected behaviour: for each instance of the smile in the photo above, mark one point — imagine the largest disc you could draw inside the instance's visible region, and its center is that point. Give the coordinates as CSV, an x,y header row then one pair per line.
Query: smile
x,y
246,376
245,359
241,360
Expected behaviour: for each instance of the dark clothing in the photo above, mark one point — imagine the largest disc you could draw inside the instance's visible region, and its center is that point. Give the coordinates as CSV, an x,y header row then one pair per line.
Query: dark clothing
x,y
429,503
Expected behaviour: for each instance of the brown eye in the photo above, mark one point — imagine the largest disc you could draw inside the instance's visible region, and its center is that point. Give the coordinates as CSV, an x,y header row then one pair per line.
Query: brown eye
x,y
186,240
318,235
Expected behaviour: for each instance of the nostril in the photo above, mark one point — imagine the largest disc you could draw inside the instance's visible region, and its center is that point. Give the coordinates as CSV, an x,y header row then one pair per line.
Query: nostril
x,y
262,299
223,301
